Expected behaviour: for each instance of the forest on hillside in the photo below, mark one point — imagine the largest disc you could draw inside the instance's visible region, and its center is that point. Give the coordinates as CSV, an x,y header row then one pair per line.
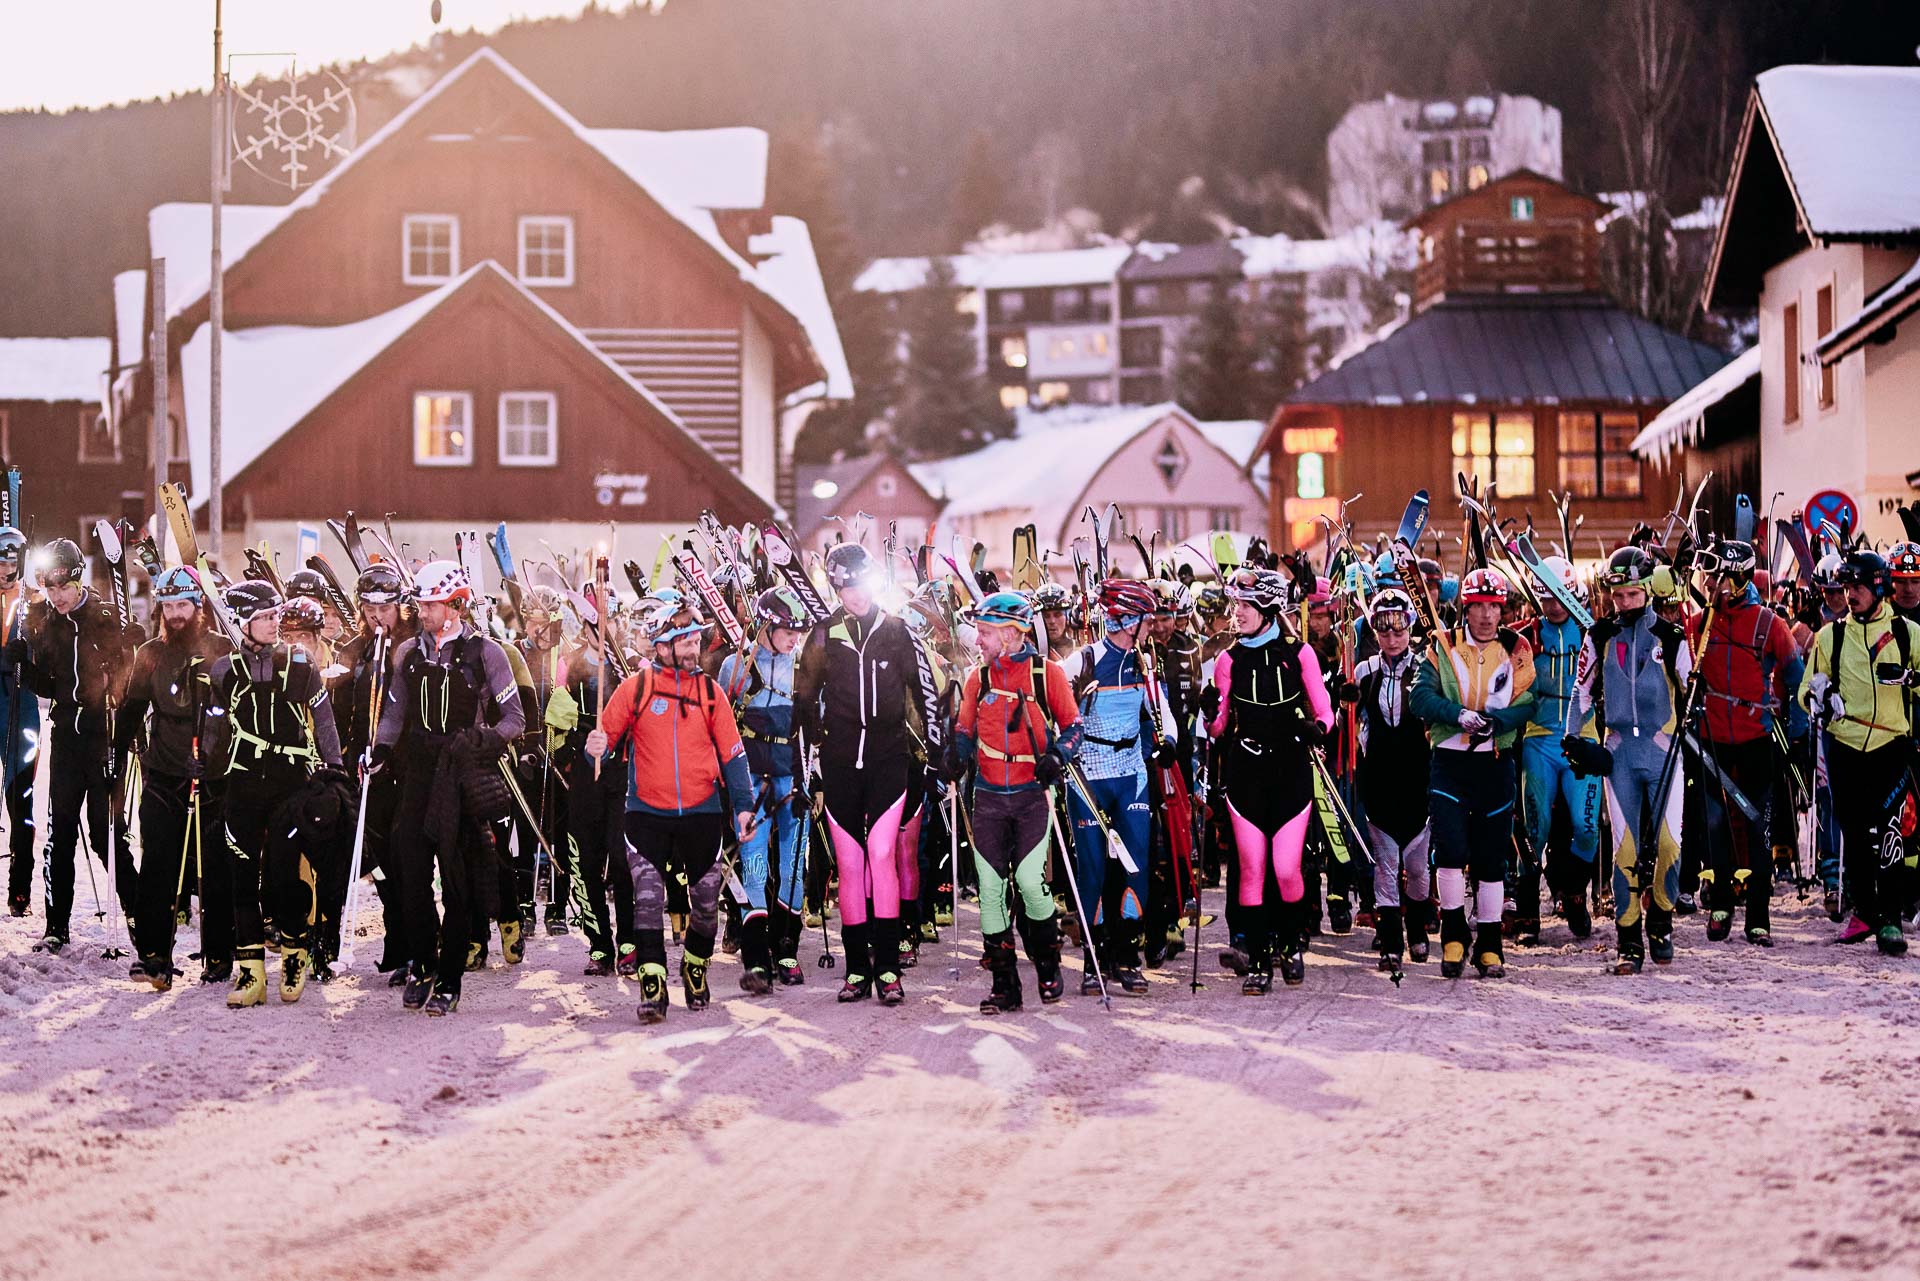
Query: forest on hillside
x,y
905,125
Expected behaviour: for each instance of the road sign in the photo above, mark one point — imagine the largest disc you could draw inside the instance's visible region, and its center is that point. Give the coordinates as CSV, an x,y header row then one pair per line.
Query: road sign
x,y
1831,504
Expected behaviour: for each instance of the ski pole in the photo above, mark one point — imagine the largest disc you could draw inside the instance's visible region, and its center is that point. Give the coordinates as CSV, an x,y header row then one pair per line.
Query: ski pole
x,y
1086,916
953,861
350,915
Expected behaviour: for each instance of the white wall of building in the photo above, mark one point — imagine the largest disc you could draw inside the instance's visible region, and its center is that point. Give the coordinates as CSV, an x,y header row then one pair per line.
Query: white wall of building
x,y
759,432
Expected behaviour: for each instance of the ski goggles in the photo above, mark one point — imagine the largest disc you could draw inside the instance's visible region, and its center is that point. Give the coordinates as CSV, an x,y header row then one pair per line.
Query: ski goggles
x,y
1385,623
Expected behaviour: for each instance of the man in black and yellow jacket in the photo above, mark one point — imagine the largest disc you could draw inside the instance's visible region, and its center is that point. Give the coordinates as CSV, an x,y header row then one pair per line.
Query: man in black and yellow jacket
x,y
1861,673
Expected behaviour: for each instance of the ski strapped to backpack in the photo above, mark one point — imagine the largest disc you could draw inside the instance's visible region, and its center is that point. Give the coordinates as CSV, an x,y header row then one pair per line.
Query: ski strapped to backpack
x,y
787,565
701,584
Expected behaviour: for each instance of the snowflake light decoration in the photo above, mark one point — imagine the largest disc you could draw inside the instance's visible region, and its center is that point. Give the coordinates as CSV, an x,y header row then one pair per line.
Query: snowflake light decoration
x,y
288,132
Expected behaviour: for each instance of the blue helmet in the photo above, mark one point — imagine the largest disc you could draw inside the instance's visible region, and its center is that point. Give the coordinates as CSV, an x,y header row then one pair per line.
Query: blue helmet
x,y
179,583
1005,608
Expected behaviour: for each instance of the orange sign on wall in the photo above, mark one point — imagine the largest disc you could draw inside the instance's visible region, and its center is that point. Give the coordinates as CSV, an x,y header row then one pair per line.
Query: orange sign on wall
x,y
1310,440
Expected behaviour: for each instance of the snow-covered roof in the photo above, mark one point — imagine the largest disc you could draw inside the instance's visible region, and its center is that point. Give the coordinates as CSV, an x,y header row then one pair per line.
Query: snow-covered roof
x,y
54,369
1888,306
791,274
1050,268
1681,422
1238,438
1849,139
1045,465
182,233
704,168
130,315
1375,244
273,376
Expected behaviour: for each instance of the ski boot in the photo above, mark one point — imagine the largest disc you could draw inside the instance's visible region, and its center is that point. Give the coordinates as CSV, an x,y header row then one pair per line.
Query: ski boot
x,y
1258,982
1005,997
157,971
1489,956
1759,936
476,957
755,981
943,914
321,962
398,978
888,988
1293,964
1526,931
855,987
1659,936
1339,915
693,982
1453,942
909,952
1388,940
653,993
51,942
294,968
137,970
791,975
441,1004
599,965
1685,905
556,920
1832,905
1233,958
419,988
217,971
1415,916
1855,930
513,942
1719,925
629,963
1047,973
249,979
929,932
1631,952
1891,941
16,905
1578,919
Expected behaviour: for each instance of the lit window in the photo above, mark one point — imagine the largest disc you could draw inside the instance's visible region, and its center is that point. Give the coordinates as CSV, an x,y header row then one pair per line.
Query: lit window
x,y
527,435
1520,208
442,429
1310,477
1099,344
430,249
1476,177
99,442
1013,352
1439,183
1496,449
1053,393
1063,349
1014,397
546,251
967,304
1596,455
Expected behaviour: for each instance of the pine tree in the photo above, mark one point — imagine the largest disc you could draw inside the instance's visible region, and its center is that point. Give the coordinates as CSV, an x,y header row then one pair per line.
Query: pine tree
x,y
1277,344
946,407
1214,375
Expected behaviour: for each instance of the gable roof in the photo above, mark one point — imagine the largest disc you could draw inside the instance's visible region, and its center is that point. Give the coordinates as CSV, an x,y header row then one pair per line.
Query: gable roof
x,y
670,170
1485,190
1883,313
847,475
54,369
275,376
1504,349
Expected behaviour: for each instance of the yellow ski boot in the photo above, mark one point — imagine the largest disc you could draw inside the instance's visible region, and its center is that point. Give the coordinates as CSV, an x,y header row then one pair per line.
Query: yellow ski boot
x,y
249,978
294,967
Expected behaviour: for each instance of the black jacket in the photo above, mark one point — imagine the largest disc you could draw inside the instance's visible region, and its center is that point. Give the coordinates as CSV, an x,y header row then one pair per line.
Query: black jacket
x,y
171,680
79,660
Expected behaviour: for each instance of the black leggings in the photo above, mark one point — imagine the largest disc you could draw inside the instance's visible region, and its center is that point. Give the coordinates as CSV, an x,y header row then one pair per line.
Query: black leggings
x,y
689,843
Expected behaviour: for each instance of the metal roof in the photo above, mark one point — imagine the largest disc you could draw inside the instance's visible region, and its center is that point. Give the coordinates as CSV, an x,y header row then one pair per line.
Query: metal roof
x,y
1220,257
1534,349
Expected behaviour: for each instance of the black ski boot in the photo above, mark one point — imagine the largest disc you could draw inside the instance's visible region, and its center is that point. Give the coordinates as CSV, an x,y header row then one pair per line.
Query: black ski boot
x,y
419,988
1574,909
1126,961
1660,936
1526,931
629,963
16,905
693,982
756,965
1234,958
556,920
1489,956
653,993
1388,938
1454,937
1416,916
1043,949
1630,951
1719,925
1090,972
599,965
1258,982
1339,914
441,1004
1890,941
888,988
1293,964
221,970
1005,997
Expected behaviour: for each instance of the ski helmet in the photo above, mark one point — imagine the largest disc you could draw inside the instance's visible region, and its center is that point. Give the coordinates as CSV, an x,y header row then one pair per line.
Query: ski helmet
x,y
1386,569
1826,574
848,565
1322,593
442,581
1210,601
1174,600
1903,560
1561,568
1737,561
1629,567
669,617
1126,600
62,563
1865,569
1485,585
545,602
179,583
11,542
1264,589
302,614
251,598
380,585
307,584
1388,604
1051,596
781,607
1009,609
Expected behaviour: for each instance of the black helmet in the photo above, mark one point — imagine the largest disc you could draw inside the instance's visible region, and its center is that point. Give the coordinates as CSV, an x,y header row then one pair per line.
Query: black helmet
x,y
1866,569
848,565
380,585
307,583
1628,567
781,607
251,597
1737,561
62,563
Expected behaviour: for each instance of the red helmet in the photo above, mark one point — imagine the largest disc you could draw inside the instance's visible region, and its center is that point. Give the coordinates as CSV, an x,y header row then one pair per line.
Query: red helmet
x,y
1903,560
1127,598
1485,585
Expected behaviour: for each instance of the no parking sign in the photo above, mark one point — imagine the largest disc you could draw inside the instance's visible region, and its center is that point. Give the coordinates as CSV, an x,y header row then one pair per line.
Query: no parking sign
x,y
1831,504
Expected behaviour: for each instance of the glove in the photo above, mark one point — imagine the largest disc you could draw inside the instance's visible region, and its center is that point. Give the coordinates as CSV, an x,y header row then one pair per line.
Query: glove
x,y
1836,706
799,801
17,651
1316,733
1896,674
953,767
1346,691
1471,721
1587,758
382,756
1210,702
1165,755
1049,769
195,768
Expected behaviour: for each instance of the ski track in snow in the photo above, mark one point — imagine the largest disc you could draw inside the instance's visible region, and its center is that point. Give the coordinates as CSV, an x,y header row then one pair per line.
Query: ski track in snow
x,y
1742,1113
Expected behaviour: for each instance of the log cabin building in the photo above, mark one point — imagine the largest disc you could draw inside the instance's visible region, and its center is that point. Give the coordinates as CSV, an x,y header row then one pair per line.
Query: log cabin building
x,y
1513,366
490,311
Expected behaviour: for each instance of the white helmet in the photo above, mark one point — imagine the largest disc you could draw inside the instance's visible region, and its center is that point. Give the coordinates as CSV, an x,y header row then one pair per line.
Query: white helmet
x,y
1562,568
443,581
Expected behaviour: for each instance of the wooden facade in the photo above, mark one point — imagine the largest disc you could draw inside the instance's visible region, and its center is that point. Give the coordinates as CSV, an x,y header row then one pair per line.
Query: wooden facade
x,y
72,474
1523,233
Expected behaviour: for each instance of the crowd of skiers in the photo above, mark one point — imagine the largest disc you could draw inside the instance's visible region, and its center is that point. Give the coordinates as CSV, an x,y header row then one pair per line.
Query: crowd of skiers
x,y
1376,744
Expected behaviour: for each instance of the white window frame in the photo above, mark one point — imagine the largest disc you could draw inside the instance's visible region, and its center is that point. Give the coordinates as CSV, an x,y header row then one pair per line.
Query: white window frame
x,y
531,220
552,457
407,224
413,428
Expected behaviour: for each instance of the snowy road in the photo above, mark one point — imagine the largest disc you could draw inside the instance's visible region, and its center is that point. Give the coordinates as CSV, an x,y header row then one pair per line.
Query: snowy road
x,y
1742,1114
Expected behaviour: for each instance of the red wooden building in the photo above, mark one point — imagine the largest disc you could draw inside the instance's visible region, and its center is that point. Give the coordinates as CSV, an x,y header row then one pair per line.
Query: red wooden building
x,y
1513,366
491,311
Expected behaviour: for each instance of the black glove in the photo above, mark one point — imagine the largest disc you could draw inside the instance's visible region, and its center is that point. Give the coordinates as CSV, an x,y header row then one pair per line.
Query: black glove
x,y
1587,758
800,801
382,755
1165,755
17,651
1210,702
1049,769
1346,691
482,741
953,766
1315,733
1892,674
195,768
